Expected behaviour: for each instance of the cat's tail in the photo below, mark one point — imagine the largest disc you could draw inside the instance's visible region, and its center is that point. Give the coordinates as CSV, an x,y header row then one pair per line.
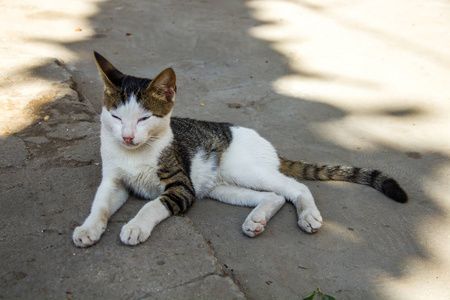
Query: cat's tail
x,y
374,178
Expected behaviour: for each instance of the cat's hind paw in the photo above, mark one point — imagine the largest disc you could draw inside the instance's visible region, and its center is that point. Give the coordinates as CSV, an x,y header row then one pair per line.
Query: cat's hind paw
x,y
310,220
84,236
254,225
133,234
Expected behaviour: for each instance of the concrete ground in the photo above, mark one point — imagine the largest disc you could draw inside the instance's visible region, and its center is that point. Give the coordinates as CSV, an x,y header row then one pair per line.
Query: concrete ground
x,y
354,82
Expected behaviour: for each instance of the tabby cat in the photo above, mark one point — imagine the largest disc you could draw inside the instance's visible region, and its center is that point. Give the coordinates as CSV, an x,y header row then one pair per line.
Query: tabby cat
x,y
173,161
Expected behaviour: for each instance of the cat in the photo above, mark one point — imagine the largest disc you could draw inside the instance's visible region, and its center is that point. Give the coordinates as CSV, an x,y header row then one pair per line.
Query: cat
x,y
173,161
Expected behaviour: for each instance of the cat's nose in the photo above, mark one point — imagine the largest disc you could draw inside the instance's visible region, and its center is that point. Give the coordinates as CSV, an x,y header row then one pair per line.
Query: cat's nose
x,y
128,140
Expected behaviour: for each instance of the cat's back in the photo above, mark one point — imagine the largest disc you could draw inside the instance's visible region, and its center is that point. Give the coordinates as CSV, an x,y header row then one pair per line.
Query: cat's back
x,y
194,135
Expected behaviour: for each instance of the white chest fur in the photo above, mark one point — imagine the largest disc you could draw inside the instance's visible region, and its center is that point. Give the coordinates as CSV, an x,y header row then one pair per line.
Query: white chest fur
x,y
141,177
136,168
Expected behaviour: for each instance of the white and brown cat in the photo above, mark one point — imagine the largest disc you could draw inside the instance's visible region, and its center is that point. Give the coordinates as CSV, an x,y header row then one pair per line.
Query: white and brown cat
x,y
172,161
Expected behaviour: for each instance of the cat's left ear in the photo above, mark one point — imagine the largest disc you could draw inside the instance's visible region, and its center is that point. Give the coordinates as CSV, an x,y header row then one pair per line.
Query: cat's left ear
x,y
111,76
164,85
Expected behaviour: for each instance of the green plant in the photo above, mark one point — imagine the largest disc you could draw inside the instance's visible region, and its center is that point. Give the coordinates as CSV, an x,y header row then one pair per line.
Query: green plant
x,y
320,293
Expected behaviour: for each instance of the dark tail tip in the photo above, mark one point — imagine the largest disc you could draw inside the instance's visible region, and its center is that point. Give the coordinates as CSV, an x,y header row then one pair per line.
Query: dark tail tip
x,y
393,190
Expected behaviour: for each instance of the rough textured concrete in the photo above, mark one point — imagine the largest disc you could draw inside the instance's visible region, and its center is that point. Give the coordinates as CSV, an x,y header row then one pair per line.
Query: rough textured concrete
x,y
356,82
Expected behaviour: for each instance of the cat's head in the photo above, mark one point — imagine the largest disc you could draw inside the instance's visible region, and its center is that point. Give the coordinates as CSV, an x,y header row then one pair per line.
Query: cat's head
x,y
136,110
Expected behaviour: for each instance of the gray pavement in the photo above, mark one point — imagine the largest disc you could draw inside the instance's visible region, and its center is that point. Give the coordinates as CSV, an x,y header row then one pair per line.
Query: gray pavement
x,y
352,82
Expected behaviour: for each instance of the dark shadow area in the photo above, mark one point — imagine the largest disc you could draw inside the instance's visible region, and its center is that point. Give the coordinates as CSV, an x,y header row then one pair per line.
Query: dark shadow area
x,y
224,74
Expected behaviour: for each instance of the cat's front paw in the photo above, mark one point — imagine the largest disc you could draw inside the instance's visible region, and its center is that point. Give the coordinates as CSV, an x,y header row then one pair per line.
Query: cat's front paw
x,y
134,234
254,225
310,220
85,236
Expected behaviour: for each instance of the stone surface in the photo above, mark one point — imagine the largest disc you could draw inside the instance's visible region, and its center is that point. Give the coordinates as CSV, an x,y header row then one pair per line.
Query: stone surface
x,y
13,152
356,82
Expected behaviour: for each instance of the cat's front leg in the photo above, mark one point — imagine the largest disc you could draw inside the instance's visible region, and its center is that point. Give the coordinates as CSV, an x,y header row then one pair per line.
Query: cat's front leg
x,y
178,195
138,229
110,196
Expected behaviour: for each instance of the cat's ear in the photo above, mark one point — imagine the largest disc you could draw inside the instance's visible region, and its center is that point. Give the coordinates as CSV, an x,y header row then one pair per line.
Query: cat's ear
x,y
110,75
164,85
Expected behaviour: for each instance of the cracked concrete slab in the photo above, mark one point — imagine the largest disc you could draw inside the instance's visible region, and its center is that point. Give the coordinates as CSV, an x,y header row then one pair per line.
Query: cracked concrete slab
x,y
16,146
355,82
210,286
177,256
50,162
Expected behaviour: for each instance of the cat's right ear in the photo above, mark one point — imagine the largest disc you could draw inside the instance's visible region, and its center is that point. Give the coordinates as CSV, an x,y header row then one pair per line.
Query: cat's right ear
x,y
164,85
110,75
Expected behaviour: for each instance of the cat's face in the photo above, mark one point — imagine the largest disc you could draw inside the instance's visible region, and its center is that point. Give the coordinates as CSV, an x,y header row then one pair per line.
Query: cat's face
x,y
136,111
132,126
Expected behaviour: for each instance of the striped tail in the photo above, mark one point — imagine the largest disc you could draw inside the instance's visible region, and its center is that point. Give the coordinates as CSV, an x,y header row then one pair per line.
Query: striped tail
x,y
374,178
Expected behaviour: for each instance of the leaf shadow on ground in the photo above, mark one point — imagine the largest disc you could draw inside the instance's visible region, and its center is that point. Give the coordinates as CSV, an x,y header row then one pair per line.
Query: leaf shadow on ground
x,y
219,65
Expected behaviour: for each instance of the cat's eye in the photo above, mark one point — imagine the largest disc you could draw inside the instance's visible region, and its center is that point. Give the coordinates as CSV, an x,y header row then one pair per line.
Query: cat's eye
x,y
143,119
116,117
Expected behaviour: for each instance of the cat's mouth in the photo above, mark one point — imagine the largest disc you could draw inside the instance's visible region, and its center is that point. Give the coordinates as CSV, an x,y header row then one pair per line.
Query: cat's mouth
x,y
131,144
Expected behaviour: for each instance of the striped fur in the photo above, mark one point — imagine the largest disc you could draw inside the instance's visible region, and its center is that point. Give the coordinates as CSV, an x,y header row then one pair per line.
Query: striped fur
x,y
179,192
302,170
174,166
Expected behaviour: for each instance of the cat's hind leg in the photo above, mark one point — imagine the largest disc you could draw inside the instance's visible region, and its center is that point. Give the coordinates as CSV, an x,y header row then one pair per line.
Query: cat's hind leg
x,y
266,204
253,162
309,218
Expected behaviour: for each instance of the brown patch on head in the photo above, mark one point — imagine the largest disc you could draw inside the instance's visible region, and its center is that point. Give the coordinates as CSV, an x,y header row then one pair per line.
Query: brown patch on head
x,y
159,96
111,98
